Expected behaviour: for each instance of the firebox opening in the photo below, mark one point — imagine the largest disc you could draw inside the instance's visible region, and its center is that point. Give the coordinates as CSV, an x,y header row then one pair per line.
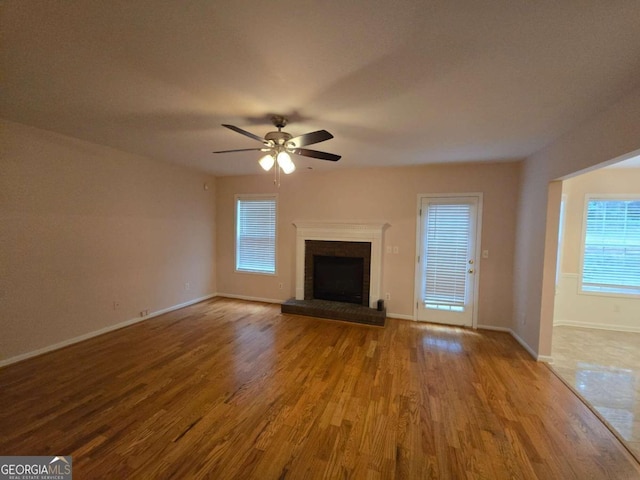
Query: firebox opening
x,y
339,279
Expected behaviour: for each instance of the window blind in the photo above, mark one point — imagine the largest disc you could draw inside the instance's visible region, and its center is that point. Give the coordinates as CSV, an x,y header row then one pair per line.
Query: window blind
x,y
446,255
611,260
256,234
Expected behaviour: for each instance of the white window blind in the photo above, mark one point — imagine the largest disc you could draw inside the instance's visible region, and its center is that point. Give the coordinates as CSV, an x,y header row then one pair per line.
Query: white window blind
x,y
611,259
446,255
256,234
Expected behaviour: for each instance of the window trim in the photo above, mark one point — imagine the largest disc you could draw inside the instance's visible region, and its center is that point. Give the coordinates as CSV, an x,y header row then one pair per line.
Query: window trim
x,y
254,196
562,221
587,198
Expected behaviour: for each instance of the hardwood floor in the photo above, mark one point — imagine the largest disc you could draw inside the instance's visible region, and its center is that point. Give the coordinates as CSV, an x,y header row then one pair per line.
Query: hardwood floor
x,y
233,389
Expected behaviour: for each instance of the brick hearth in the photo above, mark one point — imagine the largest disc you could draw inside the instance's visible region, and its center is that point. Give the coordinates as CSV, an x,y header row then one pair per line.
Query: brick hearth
x,y
336,311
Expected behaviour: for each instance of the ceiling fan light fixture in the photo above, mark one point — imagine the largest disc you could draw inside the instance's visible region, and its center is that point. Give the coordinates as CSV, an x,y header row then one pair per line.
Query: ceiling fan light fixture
x,y
279,146
267,162
285,162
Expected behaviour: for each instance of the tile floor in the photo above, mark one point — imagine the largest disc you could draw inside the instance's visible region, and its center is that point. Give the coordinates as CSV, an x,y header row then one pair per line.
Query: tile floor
x,y
604,367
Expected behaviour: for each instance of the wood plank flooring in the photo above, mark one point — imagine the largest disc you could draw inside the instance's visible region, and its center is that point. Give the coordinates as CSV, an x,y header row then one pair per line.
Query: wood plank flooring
x,y
233,389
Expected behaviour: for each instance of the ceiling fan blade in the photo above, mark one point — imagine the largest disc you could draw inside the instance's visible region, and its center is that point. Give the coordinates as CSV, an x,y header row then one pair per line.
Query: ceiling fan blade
x,y
243,150
244,132
316,154
309,138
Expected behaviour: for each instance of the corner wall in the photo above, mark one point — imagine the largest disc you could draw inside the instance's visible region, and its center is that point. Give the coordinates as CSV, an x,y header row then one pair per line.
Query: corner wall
x,y
84,226
609,135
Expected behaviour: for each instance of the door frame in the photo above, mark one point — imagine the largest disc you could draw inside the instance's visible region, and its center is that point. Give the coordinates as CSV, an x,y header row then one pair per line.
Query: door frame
x,y
417,276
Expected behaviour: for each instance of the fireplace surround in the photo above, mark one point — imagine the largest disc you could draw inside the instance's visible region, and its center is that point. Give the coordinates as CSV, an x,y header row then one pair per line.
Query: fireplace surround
x,y
371,233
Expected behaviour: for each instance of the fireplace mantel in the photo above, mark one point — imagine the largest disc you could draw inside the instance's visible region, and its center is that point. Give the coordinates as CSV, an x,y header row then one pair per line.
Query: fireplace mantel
x,y
345,232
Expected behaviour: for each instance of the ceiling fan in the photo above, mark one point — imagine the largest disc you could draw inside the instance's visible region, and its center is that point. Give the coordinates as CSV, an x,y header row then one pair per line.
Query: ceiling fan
x,y
278,146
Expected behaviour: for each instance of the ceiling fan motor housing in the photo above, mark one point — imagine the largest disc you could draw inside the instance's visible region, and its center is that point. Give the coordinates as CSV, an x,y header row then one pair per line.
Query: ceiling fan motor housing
x,y
278,138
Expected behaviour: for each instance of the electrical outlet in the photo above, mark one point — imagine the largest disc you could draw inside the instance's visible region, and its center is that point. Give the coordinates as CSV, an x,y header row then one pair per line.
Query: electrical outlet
x,y
387,296
280,285
116,305
187,286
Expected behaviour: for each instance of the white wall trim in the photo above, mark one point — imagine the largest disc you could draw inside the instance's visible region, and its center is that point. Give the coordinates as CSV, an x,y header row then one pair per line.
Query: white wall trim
x,y
495,329
525,345
598,326
538,358
102,331
251,299
593,310
126,323
400,316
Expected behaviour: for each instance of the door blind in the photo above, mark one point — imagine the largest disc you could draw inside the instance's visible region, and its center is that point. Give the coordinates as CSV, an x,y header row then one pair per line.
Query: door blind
x,y
446,255
256,235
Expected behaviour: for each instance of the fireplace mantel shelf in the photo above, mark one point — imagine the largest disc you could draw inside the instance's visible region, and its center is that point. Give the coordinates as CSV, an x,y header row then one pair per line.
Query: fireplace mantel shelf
x,y
354,228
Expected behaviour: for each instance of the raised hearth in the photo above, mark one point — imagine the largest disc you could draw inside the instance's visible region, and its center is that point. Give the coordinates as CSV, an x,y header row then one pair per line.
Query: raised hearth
x,y
335,310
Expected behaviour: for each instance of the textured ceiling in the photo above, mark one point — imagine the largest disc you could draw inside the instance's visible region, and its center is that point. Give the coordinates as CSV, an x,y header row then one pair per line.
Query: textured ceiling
x,y
397,83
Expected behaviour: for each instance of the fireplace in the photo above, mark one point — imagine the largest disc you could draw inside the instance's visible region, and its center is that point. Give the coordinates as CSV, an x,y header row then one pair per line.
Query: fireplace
x,y
337,271
349,255
348,233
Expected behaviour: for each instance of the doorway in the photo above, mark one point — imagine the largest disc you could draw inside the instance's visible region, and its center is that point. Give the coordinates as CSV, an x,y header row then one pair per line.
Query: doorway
x,y
447,258
596,329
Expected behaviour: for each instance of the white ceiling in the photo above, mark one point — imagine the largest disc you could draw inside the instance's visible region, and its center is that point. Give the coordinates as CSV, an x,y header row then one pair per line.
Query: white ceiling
x,y
396,82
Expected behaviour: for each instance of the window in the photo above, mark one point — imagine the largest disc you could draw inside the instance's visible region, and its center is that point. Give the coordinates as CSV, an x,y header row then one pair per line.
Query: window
x,y
256,233
611,250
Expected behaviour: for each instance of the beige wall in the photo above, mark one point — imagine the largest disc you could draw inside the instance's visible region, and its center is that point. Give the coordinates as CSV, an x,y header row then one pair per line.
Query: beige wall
x,y
608,135
572,307
378,194
83,226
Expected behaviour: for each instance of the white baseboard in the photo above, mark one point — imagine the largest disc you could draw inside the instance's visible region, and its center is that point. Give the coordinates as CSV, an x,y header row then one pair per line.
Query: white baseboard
x,y
495,329
597,326
102,331
252,299
539,358
400,316
525,345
